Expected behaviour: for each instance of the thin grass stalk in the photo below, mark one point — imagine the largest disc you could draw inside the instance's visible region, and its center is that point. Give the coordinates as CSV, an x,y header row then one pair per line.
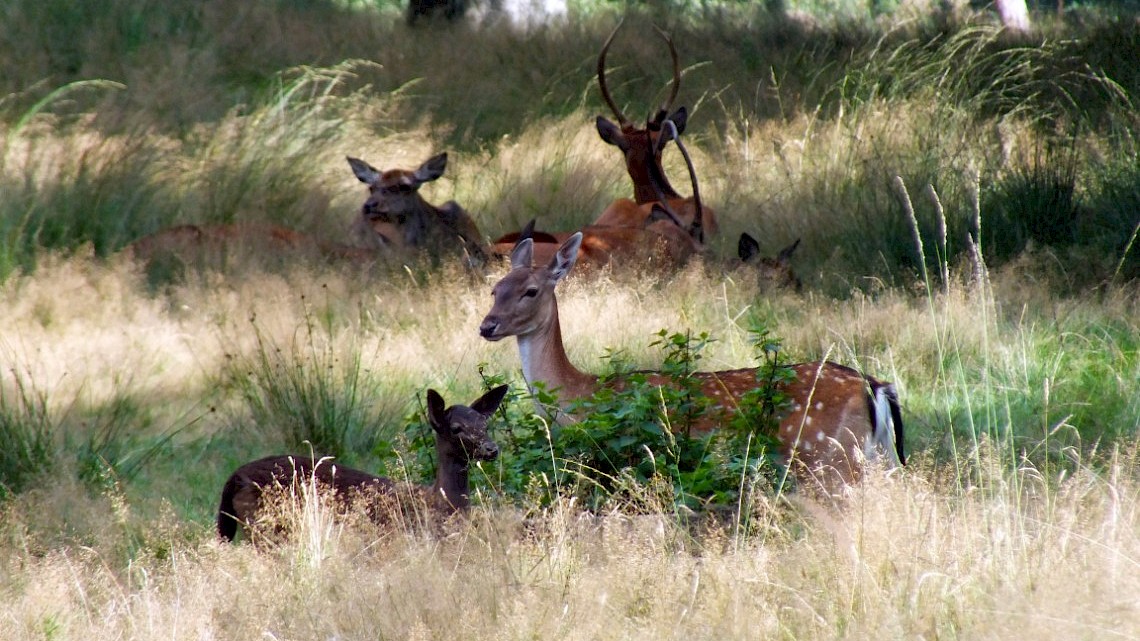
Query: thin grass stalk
x,y
313,510
1124,254
56,95
741,519
944,256
941,343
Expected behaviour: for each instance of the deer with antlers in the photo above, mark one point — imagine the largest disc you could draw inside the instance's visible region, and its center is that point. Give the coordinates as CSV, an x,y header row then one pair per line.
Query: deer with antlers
x,y
839,418
460,437
653,196
396,216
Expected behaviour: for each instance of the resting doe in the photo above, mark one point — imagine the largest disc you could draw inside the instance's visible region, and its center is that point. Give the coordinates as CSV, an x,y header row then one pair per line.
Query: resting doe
x,y
460,437
839,418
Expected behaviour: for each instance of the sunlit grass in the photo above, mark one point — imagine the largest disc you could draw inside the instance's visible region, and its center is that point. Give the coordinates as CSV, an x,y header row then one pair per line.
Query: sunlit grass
x,y
1001,385
909,555
125,405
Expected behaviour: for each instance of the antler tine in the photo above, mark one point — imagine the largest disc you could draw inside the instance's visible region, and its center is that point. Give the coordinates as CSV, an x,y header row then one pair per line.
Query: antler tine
x,y
622,120
676,85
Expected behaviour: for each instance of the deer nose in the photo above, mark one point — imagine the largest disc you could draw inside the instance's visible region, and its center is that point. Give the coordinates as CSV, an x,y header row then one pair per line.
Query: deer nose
x,y
488,327
373,211
489,451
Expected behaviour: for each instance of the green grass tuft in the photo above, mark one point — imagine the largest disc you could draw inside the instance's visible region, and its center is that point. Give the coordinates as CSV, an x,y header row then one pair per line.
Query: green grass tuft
x,y
28,437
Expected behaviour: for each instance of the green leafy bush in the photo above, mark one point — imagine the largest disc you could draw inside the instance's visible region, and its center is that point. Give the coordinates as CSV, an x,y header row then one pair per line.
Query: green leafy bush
x,y
632,434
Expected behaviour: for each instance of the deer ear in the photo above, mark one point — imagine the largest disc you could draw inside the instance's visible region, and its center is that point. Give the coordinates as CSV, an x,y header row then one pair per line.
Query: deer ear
x,y
680,118
432,168
489,402
523,254
785,254
528,229
565,257
366,173
747,247
612,134
437,415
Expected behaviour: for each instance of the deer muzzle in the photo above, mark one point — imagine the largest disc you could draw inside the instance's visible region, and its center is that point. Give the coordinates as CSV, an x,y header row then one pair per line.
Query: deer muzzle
x,y
487,452
489,328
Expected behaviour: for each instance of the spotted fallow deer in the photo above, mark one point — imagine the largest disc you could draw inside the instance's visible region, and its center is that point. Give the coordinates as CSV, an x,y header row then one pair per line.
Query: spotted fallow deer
x,y
460,437
395,215
838,418
641,148
770,272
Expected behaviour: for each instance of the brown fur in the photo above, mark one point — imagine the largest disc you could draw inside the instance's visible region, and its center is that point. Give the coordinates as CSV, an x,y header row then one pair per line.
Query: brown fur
x,y
838,415
192,242
461,436
399,218
770,272
660,244
641,148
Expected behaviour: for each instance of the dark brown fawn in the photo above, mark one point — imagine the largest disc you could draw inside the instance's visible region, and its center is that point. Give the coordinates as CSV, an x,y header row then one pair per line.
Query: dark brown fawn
x,y
839,418
396,216
642,147
460,437
770,272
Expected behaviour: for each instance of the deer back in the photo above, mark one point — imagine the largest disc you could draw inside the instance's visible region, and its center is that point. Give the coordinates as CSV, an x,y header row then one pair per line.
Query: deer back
x,y
659,244
835,420
249,489
199,239
836,417
460,437
220,241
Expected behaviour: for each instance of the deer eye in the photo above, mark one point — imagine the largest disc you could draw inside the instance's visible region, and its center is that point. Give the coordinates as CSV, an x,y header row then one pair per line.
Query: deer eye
x,y
530,292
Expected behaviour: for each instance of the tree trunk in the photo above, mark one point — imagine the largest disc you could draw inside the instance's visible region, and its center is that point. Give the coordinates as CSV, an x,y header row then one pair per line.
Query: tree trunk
x,y
1014,14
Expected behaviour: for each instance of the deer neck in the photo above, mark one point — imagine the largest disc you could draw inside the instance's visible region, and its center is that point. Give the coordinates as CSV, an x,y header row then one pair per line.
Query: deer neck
x,y
653,186
450,488
544,360
417,221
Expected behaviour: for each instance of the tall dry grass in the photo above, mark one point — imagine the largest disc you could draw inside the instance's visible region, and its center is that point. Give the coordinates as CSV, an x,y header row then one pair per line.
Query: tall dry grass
x,y
1008,520
911,555
137,398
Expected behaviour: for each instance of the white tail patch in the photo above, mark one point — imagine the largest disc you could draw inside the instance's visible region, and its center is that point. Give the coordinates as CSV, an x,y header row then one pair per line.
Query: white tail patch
x,y
883,436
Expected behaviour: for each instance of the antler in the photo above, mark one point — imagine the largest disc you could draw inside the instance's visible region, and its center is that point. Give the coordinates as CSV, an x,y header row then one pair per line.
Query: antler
x,y
669,131
676,83
622,120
